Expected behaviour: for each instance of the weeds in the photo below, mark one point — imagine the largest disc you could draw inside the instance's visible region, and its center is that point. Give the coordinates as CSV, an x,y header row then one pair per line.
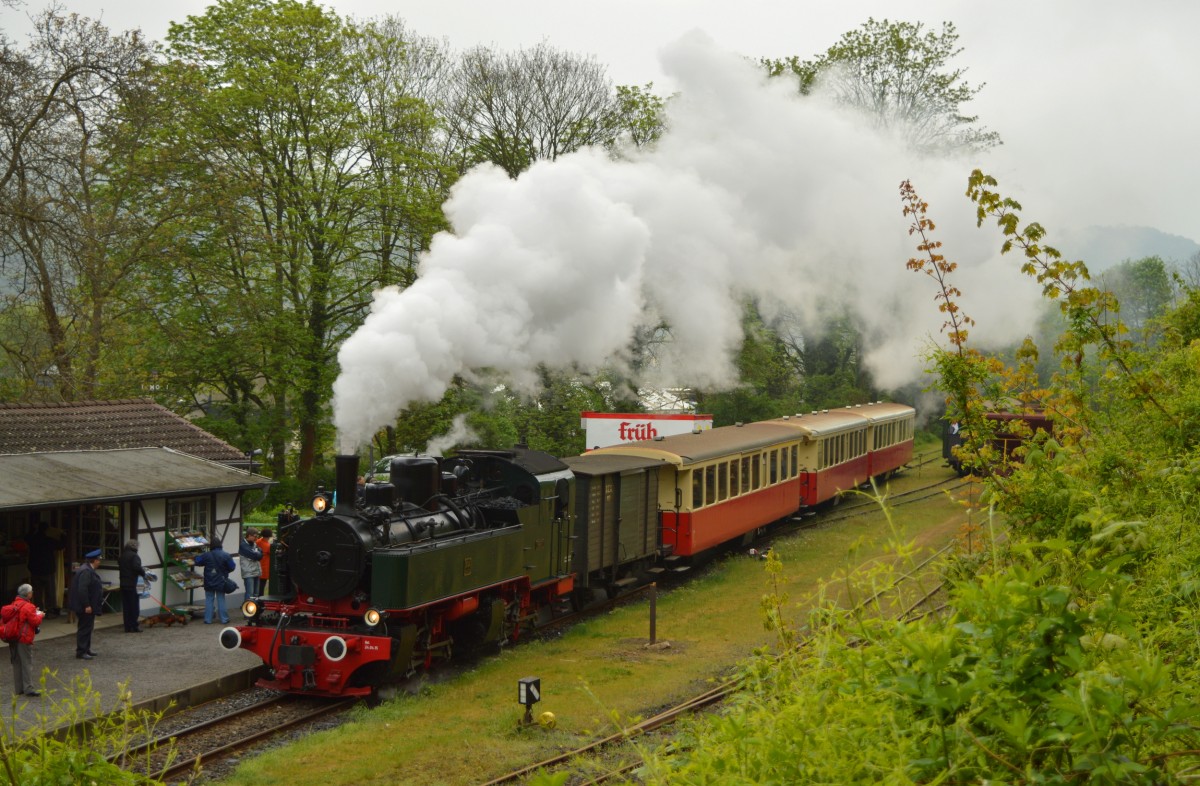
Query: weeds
x,y
71,741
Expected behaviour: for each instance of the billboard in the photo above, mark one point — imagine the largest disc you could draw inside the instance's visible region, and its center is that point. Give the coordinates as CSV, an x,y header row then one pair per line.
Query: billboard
x,y
613,428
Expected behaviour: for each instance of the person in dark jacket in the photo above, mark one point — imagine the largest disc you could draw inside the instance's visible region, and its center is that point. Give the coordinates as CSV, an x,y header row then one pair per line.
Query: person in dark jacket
x,y
43,564
217,566
84,599
27,619
131,569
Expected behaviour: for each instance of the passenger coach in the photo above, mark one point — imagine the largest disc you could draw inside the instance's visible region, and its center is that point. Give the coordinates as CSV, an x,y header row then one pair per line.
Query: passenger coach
x,y
720,484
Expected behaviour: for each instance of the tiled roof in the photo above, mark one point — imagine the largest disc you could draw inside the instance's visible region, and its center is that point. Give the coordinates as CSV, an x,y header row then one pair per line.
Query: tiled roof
x,y
106,425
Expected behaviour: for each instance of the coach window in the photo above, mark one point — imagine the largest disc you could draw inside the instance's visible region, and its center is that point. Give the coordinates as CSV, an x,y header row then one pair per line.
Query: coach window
x,y
723,480
795,460
734,484
746,475
710,484
783,464
697,488
758,460
773,457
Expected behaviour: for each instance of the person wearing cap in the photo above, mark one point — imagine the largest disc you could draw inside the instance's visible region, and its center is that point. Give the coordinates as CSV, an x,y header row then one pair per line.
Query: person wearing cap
x,y
251,558
26,620
84,599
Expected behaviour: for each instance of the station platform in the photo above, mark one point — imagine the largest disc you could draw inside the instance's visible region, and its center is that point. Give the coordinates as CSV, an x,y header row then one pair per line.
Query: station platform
x,y
184,664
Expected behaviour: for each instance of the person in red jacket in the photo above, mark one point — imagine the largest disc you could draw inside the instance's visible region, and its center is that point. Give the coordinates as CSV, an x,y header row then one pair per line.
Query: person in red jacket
x,y
21,621
264,545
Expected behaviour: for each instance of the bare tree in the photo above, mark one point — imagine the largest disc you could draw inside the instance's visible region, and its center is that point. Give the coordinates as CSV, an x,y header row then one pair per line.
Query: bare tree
x,y
409,152
516,108
70,229
1189,271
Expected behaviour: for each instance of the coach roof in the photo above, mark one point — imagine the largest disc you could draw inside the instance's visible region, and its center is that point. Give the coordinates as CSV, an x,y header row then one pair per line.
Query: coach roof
x,y
684,449
608,463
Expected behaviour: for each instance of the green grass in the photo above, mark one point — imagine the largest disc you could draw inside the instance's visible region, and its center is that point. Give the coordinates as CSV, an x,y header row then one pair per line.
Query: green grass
x,y
465,730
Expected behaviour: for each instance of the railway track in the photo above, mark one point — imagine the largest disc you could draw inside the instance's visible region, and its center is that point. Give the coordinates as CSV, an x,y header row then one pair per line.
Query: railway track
x,y
202,738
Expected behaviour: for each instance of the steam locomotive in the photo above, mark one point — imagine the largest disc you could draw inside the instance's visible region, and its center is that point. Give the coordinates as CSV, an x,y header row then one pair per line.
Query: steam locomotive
x,y
480,548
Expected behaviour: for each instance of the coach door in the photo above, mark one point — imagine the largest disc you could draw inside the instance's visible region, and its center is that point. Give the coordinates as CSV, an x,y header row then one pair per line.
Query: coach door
x,y
638,523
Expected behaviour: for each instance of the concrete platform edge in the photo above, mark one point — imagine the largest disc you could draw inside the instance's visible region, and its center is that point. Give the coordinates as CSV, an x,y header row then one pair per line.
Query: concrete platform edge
x,y
192,695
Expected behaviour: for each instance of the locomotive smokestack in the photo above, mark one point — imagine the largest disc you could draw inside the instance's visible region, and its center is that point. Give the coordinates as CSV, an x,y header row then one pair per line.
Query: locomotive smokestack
x,y
347,483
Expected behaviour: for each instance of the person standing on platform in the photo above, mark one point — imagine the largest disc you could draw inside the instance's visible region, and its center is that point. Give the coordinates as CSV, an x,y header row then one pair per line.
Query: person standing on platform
x,y
217,566
251,556
264,545
131,569
84,598
43,564
21,621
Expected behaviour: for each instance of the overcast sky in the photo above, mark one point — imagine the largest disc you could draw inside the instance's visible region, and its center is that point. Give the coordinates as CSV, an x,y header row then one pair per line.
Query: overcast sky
x,y
1096,100
757,194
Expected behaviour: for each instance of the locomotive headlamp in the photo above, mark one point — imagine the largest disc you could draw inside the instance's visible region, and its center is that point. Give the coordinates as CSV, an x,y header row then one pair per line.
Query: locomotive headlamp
x,y
250,609
372,617
320,502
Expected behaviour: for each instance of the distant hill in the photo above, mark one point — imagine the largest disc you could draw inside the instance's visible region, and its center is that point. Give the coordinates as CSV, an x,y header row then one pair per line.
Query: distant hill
x,y
1102,247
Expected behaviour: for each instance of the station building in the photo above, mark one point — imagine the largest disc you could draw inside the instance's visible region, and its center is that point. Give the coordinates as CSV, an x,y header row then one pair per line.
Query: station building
x,y
98,473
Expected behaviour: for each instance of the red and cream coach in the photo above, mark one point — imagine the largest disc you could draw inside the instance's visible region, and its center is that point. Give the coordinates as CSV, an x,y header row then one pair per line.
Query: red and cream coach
x,y
719,484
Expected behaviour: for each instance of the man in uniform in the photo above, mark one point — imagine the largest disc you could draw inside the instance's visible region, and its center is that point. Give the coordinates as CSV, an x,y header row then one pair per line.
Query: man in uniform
x,y
85,597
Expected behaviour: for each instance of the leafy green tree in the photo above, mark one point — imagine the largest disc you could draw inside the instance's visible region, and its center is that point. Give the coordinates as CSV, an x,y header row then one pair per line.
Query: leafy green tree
x,y
640,116
310,184
771,384
896,74
1143,287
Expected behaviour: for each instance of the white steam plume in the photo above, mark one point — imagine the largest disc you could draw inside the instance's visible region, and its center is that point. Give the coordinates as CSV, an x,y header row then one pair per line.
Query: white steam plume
x,y
754,193
459,434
